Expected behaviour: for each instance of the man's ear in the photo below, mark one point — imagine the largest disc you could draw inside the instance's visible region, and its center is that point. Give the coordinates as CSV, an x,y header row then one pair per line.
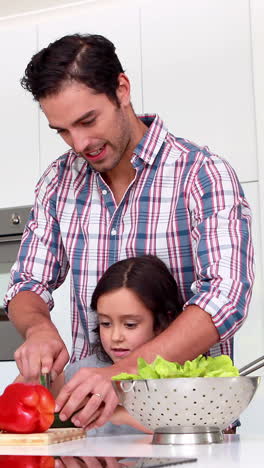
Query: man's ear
x,y
123,90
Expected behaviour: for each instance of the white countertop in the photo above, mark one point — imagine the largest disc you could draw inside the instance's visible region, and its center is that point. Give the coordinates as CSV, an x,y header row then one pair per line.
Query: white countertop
x,y
235,451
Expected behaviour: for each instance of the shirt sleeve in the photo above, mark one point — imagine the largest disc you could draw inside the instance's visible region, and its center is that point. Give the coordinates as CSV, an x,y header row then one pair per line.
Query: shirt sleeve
x,y
222,246
41,264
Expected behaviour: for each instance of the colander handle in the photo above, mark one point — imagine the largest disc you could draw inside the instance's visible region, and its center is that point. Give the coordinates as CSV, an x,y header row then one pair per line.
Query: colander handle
x,y
126,387
251,367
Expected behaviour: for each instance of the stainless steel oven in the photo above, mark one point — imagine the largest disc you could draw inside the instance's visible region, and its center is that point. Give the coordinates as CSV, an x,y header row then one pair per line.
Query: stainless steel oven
x,y
12,223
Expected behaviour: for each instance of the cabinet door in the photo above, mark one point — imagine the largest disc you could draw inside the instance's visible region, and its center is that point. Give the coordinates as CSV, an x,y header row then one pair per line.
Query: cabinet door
x,y
249,341
8,372
257,21
197,74
19,120
61,314
121,26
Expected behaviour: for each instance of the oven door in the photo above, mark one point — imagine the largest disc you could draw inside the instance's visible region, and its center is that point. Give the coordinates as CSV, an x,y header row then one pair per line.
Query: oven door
x,y
10,339
12,223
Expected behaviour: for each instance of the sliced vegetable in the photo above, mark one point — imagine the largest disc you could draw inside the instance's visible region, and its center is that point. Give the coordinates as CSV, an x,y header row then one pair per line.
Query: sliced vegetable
x,y
57,423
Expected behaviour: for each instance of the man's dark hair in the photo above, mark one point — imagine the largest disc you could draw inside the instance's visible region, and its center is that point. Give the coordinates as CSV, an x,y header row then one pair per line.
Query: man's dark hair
x,y
151,281
89,59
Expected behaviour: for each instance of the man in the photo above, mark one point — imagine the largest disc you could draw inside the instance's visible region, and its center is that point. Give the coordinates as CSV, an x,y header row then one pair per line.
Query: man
x,y
127,187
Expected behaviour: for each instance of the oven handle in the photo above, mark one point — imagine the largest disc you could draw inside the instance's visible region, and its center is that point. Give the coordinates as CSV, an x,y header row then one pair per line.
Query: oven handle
x,y
10,238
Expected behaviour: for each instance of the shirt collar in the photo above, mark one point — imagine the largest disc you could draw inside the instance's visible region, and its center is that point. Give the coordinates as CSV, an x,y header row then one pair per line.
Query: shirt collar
x,y
152,141
149,145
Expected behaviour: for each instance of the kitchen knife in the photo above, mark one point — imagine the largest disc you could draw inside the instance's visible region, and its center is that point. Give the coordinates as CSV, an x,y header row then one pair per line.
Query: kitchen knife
x,y
45,380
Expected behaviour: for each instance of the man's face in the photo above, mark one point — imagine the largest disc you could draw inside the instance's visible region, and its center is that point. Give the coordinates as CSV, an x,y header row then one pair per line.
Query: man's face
x,y
90,123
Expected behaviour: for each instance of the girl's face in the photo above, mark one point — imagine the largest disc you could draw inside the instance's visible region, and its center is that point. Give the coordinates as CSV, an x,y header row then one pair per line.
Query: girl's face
x,y
124,323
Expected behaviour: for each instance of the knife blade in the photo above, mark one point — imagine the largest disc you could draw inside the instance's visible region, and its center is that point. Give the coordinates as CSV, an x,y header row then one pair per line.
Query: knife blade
x,y
45,380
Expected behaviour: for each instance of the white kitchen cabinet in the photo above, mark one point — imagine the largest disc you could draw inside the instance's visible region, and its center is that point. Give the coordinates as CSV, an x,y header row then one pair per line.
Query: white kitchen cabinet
x,y
257,21
253,331
197,74
121,26
249,340
61,313
19,120
8,371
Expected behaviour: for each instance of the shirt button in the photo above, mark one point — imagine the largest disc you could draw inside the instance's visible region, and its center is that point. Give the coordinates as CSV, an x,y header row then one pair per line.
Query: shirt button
x,y
113,232
104,192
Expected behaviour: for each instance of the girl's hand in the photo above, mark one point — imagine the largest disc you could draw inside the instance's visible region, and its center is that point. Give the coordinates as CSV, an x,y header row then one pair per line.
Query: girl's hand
x,y
91,391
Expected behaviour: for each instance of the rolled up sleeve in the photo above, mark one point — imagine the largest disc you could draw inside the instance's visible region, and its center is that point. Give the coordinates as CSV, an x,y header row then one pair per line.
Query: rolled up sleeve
x,y
222,246
41,264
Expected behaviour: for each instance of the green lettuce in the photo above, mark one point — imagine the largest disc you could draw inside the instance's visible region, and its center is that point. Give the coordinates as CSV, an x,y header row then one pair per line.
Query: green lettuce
x,y
220,366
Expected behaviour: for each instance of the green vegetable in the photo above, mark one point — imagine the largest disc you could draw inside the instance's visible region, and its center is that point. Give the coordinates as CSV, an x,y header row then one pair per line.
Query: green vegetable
x,y
58,423
125,376
220,366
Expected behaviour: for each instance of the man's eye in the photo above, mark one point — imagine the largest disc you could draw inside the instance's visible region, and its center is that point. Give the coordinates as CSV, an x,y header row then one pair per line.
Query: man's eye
x,y
60,131
88,122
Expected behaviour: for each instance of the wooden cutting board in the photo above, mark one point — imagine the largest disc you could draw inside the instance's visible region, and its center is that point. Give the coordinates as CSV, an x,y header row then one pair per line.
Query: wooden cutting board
x,y
51,436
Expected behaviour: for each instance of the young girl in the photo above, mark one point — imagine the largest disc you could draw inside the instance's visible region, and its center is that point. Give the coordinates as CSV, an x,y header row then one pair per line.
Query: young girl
x,y
135,300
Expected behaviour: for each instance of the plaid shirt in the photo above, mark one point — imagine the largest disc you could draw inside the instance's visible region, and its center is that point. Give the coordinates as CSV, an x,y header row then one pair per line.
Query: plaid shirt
x,y
185,205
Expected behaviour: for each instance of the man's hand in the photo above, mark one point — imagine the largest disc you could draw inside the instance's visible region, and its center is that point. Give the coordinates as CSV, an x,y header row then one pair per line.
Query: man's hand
x,y
95,410
43,351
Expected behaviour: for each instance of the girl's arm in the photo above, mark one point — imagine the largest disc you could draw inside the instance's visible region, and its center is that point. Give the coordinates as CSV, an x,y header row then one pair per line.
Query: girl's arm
x,y
121,416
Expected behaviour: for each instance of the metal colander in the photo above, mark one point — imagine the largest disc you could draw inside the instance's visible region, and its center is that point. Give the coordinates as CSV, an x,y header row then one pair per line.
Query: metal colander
x,y
187,410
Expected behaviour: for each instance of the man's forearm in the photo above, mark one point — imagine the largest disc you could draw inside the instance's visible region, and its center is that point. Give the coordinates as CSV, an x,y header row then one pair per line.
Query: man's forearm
x,y
28,312
191,334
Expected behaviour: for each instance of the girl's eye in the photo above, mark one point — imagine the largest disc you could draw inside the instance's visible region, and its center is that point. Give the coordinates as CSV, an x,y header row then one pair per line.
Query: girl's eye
x,y
105,324
131,325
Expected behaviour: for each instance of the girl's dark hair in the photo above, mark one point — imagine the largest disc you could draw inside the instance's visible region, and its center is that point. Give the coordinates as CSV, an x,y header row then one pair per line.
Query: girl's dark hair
x,y
89,59
149,278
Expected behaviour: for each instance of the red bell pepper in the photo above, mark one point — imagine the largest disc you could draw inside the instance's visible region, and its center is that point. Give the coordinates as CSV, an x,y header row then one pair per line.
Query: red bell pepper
x,y
26,408
26,461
